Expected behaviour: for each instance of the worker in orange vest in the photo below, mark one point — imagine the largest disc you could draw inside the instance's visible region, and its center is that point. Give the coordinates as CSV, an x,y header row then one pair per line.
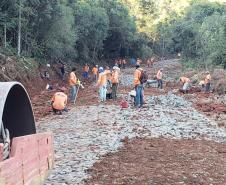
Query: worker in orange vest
x,y
139,99
186,83
59,101
95,73
73,85
114,82
86,71
102,84
159,78
207,81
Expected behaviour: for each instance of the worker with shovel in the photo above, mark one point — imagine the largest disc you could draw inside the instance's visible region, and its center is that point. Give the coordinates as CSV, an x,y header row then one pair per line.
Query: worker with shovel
x,y
73,85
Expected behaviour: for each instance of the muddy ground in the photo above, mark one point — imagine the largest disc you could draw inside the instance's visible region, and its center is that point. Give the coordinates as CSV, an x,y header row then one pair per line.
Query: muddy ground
x,y
174,139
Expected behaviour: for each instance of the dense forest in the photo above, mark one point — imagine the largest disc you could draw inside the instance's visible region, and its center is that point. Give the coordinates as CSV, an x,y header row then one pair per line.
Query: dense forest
x,y
90,30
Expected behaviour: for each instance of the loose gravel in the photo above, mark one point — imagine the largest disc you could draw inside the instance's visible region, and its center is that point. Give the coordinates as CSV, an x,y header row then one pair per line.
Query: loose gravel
x,y
86,133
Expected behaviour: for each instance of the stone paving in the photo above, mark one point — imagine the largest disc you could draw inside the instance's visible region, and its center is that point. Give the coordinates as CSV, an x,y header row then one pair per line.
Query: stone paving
x,y
85,134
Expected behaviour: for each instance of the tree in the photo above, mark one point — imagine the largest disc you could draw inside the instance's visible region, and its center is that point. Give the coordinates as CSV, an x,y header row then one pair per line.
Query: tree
x,y
92,27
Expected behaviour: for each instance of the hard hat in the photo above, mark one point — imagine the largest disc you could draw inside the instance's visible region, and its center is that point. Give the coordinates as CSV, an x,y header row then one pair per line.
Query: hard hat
x,y
101,69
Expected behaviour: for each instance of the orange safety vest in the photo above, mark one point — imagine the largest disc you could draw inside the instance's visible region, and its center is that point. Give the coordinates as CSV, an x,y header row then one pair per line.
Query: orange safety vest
x,y
184,79
72,79
137,75
95,70
115,77
59,100
102,80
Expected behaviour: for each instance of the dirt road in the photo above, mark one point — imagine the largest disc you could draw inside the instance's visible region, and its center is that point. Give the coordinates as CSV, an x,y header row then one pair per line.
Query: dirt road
x,y
167,137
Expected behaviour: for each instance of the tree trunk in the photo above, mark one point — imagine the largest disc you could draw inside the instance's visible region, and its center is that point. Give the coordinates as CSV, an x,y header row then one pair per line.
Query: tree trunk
x,y
5,35
19,32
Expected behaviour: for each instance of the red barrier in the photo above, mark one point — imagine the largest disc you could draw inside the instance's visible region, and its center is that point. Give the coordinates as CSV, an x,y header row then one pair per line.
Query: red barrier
x,y
31,158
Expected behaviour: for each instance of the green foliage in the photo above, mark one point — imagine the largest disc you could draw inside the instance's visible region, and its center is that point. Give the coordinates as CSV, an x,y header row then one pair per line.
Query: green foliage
x,y
80,30
88,30
92,28
60,38
199,34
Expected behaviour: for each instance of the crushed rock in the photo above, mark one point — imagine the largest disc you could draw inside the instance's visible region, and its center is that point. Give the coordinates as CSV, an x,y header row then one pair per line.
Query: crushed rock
x,y
85,134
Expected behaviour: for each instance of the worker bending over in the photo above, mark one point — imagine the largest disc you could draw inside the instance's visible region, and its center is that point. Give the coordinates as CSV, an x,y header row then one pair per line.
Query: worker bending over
x,y
102,84
59,102
159,78
114,82
139,99
186,83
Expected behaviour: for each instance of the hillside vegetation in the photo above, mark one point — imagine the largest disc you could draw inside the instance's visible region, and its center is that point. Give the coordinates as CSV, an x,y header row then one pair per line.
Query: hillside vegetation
x,y
87,30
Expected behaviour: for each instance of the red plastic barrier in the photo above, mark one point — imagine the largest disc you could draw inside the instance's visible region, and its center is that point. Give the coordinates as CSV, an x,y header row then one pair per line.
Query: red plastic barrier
x,y
31,158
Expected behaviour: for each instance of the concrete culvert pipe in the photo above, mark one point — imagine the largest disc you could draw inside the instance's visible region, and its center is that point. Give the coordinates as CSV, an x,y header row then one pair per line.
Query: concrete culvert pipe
x,y
16,110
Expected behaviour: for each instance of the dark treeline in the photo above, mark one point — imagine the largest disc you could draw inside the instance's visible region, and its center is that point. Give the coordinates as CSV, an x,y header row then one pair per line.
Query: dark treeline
x,y
89,30
79,30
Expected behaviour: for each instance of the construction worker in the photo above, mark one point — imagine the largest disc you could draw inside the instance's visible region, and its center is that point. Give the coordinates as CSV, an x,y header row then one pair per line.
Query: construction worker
x,y
152,61
148,63
114,81
123,63
207,82
159,78
73,85
62,70
86,71
95,73
119,63
102,84
107,72
59,101
186,83
138,87
139,61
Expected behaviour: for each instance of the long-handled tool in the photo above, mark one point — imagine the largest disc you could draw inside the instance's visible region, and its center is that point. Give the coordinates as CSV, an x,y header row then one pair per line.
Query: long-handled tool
x,y
79,85
76,94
